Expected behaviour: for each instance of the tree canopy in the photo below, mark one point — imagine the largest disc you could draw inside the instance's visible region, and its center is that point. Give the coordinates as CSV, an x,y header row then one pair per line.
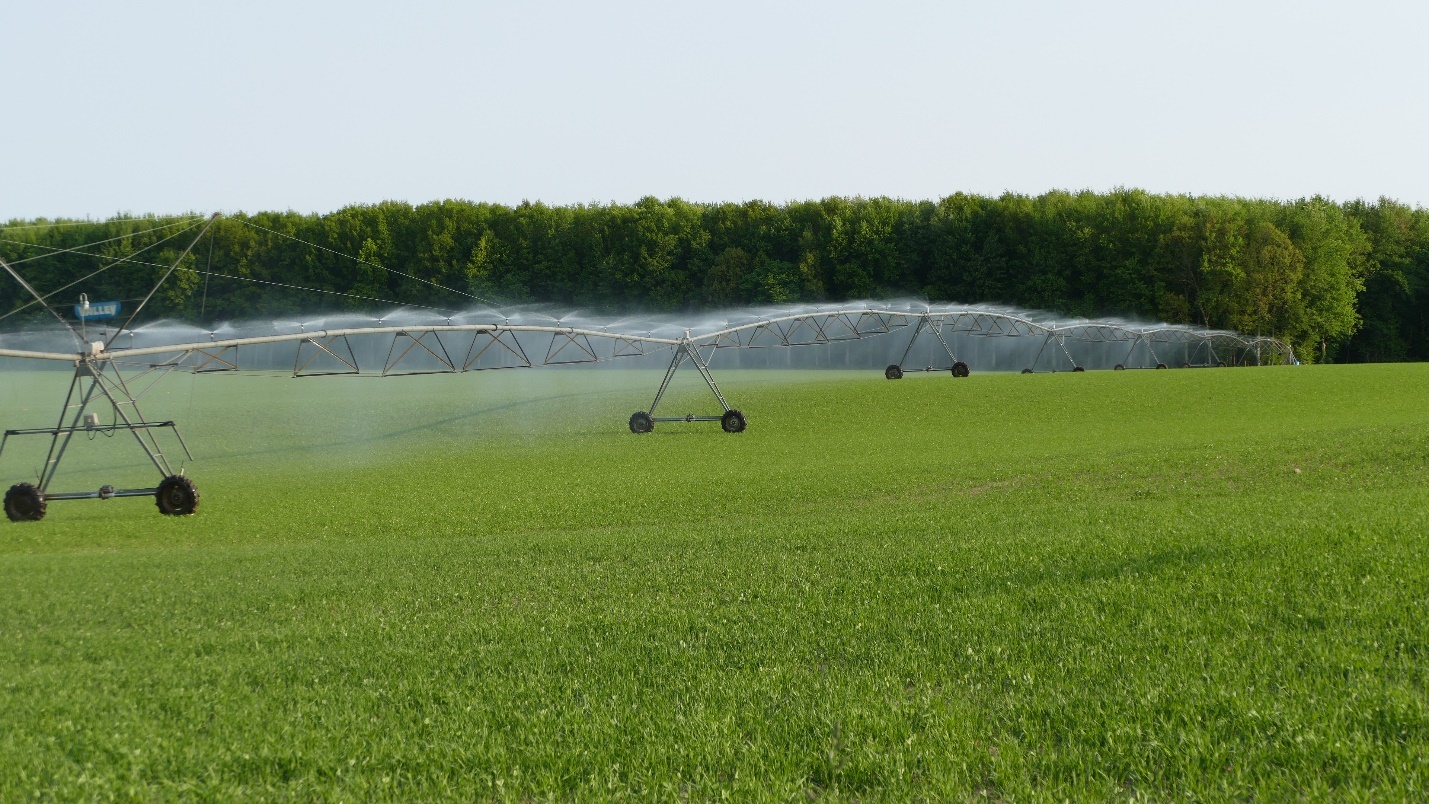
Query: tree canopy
x,y
1339,281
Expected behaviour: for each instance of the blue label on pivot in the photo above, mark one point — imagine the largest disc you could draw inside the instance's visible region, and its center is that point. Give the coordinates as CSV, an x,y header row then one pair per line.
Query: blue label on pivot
x,y
96,311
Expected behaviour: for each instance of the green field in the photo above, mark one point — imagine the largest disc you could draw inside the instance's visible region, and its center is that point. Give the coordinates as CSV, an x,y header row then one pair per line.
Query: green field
x,y
1174,584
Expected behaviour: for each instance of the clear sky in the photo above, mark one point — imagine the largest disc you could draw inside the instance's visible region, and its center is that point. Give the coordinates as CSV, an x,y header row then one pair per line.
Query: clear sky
x,y
168,107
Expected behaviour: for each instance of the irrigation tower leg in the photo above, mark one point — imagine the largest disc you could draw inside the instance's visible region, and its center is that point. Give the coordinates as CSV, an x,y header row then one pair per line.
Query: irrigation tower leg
x,y
1062,344
175,494
732,421
1126,361
959,368
894,371
1033,365
1195,354
61,436
1156,361
118,393
918,330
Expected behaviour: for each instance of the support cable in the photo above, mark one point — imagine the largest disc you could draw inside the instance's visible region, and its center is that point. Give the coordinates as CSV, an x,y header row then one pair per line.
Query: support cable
x,y
161,282
90,223
315,290
364,262
38,297
51,294
56,251
222,275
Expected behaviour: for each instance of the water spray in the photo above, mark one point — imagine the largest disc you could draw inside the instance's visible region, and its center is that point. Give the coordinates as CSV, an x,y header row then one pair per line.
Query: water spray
x,y
108,375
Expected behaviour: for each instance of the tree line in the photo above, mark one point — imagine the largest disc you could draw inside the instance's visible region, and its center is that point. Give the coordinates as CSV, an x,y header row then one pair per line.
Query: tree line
x,y
1345,282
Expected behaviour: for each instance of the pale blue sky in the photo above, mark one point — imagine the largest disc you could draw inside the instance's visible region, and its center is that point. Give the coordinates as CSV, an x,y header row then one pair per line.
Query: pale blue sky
x,y
166,107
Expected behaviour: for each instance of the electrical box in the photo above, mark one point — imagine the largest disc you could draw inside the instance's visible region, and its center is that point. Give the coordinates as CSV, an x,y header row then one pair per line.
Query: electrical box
x,y
91,421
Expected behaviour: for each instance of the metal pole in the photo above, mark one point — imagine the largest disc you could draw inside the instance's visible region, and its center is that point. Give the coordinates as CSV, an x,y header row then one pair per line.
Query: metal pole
x,y
922,322
938,331
58,447
155,455
40,299
680,357
132,399
1126,361
162,280
704,370
1040,349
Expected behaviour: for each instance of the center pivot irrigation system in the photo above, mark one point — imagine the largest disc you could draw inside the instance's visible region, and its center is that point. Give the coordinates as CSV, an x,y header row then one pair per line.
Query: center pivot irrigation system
x,y
113,376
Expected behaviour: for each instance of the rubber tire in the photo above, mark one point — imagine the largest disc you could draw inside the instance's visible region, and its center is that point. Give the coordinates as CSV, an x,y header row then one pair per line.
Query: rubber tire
x,y
960,369
893,372
176,496
641,423
732,422
1027,371
1220,364
25,503
1078,368
1185,365
1118,367
1161,365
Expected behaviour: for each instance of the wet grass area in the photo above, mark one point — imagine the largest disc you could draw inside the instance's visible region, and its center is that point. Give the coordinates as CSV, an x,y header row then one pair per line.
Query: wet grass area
x,y
1180,584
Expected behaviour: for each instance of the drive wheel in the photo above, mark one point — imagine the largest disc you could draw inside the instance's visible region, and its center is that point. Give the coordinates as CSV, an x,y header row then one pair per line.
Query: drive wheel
x,y
893,372
25,503
640,422
960,369
176,496
1161,365
1027,371
1118,367
732,421
1078,368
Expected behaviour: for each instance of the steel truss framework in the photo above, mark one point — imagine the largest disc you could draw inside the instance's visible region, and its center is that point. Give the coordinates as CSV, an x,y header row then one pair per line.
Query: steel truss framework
x,y
106,377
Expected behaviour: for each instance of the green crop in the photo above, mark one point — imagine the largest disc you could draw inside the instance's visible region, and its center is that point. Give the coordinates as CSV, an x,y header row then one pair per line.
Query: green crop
x,y
1164,584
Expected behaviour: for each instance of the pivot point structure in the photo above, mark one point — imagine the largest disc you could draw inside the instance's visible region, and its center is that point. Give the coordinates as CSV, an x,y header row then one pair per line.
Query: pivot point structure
x,y
98,384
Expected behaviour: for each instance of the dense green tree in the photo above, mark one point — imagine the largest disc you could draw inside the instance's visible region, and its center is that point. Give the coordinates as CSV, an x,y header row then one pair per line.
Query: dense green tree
x,y
1395,302
724,281
1339,281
